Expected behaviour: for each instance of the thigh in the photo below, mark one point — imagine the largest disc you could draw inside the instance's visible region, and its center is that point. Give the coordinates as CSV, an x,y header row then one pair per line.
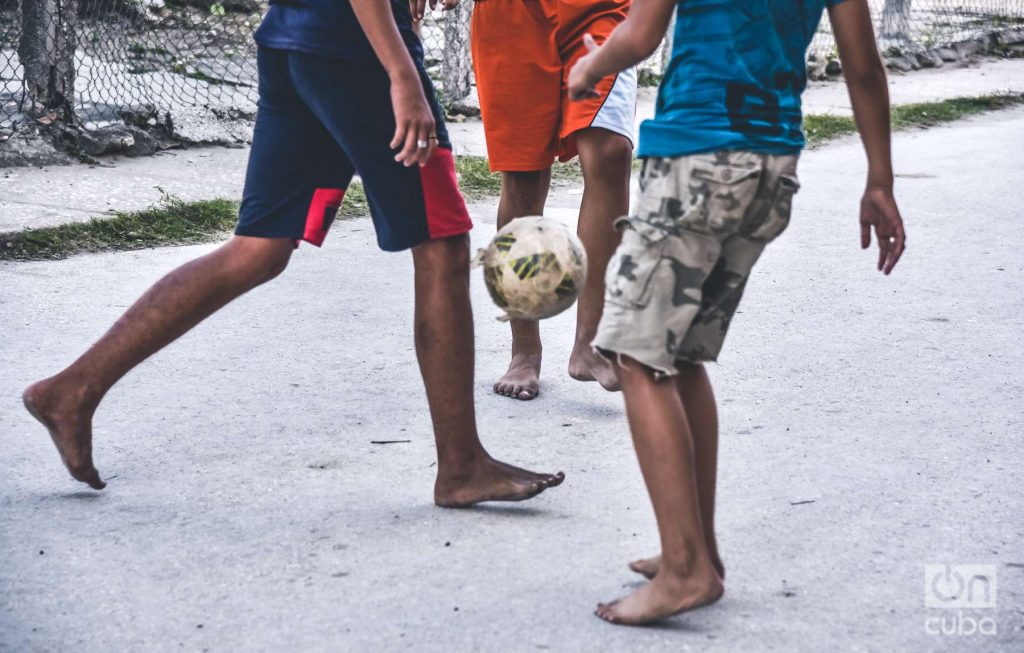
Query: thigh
x,y
519,77
296,175
614,109
765,217
409,205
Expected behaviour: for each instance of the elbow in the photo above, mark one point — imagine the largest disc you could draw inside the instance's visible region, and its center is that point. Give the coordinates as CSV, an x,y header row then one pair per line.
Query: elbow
x,y
646,46
869,75
639,45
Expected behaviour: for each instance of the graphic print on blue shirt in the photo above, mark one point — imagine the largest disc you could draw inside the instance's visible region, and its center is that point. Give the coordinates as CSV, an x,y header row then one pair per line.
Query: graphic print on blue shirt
x,y
329,28
735,78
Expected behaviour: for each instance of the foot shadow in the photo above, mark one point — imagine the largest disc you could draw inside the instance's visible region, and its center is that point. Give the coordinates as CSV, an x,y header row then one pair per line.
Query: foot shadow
x,y
81,495
507,510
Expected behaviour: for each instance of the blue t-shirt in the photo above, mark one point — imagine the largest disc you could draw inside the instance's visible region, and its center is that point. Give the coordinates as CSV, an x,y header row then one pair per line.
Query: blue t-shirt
x,y
328,28
735,78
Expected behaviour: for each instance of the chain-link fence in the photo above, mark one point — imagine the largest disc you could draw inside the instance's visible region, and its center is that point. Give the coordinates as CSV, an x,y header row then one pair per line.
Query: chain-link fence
x,y
188,66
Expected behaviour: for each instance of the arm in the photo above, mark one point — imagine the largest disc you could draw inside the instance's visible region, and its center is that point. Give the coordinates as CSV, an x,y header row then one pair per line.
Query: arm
x,y
869,96
414,122
632,41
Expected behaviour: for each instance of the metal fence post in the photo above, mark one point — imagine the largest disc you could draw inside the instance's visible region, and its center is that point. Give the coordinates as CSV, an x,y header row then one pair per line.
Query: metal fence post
x,y
47,52
456,66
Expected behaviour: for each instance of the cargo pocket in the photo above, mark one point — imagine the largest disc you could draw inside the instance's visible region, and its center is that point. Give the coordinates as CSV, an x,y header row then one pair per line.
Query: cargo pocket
x,y
720,195
776,219
629,273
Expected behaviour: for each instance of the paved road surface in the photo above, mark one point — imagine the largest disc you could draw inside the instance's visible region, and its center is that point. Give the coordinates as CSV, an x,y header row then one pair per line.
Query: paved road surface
x,y
871,426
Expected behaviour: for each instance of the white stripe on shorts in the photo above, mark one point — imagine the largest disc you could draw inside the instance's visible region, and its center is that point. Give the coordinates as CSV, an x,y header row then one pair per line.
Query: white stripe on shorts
x,y
618,113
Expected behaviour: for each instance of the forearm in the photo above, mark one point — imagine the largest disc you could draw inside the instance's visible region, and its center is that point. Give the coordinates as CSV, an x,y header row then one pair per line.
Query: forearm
x,y
378,22
865,81
869,96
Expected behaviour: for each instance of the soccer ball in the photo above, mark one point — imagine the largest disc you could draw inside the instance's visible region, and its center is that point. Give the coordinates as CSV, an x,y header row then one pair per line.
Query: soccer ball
x,y
534,268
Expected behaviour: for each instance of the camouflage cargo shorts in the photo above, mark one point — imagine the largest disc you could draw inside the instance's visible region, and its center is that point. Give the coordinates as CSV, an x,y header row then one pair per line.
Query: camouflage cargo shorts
x,y
700,224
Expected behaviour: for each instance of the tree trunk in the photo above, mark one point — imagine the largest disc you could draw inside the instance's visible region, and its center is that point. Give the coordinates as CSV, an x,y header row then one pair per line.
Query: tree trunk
x,y
47,53
456,65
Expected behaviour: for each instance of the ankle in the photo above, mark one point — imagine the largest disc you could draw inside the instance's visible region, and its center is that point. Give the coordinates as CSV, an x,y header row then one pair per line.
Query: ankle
x,y
460,465
687,565
527,351
78,388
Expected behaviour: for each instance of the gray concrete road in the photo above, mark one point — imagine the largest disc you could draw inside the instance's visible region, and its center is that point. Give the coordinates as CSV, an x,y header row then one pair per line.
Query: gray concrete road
x,y
870,427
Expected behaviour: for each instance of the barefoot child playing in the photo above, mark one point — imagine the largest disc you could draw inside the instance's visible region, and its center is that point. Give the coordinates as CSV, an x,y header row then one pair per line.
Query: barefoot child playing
x,y
343,89
522,52
717,185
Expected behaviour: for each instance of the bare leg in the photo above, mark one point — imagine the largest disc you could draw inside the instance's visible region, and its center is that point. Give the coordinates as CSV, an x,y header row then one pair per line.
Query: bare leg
x,y
65,403
606,158
466,474
522,194
664,446
698,399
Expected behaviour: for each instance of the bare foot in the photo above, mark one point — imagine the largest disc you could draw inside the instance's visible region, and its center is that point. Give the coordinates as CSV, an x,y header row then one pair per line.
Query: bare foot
x,y
648,567
586,365
491,480
522,380
69,421
665,596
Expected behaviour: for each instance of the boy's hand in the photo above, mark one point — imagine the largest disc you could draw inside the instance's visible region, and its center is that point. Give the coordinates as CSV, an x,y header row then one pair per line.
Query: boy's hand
x,y
878,209
582,84
414,122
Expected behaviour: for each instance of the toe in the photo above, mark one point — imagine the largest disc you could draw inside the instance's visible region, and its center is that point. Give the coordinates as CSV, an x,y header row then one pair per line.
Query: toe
x,y
556,479
90,477
526,394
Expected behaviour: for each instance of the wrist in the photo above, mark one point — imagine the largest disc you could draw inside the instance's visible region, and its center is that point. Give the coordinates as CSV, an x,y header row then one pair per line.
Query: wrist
x,y
882,182
403,73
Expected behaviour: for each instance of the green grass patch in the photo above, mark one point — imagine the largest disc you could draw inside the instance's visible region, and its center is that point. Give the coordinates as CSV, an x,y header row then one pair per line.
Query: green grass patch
x,y
176,222
478,182
820,129
172,222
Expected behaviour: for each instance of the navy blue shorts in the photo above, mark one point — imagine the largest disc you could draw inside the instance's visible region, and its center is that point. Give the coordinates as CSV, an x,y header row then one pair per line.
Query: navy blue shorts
x,y
321,120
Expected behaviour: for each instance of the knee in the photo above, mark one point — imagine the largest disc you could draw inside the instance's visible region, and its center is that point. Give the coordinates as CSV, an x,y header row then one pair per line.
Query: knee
x,y
258,260
444,258
527,183
610,156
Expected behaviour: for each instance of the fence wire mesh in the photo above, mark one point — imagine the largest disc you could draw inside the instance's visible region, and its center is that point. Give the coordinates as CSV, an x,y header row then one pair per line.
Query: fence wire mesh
x,y
190,65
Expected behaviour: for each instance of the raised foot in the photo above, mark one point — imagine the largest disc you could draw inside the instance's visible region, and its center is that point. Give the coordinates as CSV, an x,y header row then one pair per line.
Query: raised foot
x,y
648,567
522,380
665,596
491,480
586,365
70,428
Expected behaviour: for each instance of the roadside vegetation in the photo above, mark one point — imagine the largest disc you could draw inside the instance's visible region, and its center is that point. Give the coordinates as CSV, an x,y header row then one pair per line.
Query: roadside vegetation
x,y
176,222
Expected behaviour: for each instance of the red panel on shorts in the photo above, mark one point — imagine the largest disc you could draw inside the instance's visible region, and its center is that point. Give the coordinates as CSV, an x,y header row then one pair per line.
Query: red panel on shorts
x,y
322,210
446,210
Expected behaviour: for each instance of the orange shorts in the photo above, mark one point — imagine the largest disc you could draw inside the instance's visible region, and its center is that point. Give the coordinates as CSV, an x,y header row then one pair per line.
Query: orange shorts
x,y
522,53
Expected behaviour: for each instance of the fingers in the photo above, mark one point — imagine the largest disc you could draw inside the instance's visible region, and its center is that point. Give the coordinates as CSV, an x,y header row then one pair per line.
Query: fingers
x,y
417,7
865,234
410,154
589,42
450,4
899,244
418,142
883,248
427,135
401,127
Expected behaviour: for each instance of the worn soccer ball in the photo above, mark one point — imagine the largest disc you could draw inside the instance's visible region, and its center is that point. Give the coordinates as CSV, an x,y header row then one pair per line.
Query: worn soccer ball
x,y
534,268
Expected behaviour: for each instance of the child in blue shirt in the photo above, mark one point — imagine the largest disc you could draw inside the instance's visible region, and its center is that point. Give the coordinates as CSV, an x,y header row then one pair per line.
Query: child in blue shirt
x,y
717,184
